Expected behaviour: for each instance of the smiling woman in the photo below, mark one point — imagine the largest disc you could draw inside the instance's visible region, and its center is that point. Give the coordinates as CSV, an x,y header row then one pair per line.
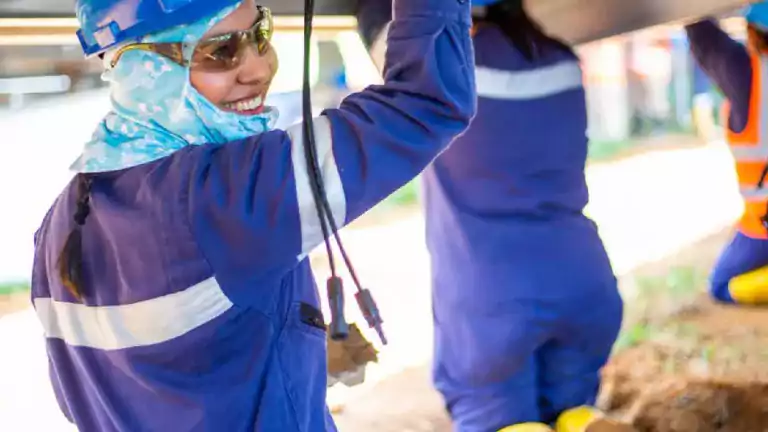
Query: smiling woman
x,y
171,274
199,83
243,88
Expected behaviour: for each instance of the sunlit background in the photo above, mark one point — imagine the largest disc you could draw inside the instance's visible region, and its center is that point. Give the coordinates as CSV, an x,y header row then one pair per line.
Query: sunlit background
x,y
656,158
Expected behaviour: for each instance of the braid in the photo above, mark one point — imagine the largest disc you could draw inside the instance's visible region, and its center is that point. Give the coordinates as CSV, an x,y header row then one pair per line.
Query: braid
x,y
71,257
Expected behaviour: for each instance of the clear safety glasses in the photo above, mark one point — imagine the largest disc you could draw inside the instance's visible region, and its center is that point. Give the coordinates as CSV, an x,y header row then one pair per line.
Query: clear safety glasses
x,y
215,54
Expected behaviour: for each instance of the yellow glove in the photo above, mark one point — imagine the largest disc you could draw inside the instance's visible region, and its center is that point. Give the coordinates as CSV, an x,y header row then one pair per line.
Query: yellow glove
x,y
577,419
581,418
750,288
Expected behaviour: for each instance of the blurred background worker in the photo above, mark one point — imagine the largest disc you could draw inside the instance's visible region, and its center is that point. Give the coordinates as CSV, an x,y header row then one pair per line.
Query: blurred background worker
x,y
741,72
526,305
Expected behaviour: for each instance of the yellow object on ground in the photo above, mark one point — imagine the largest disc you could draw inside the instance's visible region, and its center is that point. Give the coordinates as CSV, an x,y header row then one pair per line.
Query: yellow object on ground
x,y
527,427
589,419
750,288
577,419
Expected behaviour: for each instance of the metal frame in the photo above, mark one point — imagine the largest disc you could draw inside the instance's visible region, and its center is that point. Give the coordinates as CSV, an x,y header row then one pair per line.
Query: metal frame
x,y
577,21
66,8
582,21
61,31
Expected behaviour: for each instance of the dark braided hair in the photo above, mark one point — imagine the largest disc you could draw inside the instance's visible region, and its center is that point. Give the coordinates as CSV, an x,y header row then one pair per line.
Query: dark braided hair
x,y
522,31
70,263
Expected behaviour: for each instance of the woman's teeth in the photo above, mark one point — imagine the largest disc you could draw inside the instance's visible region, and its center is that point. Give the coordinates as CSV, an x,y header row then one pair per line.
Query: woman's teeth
x,y
247,105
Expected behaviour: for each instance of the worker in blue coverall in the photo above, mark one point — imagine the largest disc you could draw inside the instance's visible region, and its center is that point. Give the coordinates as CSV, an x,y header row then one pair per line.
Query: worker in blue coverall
x,y
170,276
741,72
526,306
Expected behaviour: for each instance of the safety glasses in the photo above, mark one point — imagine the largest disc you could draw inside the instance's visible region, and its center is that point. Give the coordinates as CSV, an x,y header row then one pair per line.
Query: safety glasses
x,y
216,54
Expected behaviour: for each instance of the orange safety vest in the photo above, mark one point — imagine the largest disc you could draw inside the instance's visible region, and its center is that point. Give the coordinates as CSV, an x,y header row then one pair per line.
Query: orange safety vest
x,y
750,151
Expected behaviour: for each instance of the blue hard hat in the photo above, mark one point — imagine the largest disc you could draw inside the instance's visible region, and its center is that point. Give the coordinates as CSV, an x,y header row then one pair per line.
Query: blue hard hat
x,y
757,14
107,23
484,2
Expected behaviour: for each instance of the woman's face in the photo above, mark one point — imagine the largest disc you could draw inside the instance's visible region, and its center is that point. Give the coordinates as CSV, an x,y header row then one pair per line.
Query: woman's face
x,y
244,88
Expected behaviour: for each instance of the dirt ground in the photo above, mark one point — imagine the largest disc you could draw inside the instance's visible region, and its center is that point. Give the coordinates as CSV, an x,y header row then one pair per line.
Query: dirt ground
x,y
13,303
695,366
683,363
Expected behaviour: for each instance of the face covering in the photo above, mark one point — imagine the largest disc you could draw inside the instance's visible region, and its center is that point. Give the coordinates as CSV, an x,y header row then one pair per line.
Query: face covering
x,y
156,111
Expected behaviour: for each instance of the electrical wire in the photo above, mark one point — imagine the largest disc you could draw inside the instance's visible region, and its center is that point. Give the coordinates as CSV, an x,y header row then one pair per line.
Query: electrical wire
x,y
339,328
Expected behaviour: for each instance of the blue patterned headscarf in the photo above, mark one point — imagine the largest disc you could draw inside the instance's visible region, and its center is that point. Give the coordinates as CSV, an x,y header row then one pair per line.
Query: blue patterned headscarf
x,y
156,111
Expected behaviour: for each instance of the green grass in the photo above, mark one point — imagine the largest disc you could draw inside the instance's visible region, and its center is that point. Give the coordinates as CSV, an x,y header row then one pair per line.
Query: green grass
x,y
678,283
683,282
13,288
405,196
677,286
408,195
404,199
603,150
634,336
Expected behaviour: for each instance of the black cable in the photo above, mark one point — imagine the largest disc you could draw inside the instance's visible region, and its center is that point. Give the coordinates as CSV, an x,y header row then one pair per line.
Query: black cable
x,y
310,139
310,149
760,184
339,328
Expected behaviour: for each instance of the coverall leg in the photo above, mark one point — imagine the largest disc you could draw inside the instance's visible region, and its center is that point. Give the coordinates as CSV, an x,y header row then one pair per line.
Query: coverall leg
x,y
524,362
743,255
485,365
521,331
569,364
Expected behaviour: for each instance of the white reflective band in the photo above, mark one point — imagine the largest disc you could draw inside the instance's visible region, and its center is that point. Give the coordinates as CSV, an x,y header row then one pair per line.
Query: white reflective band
x,y
311,231
754,193
144,323
743,153
758,152
535,84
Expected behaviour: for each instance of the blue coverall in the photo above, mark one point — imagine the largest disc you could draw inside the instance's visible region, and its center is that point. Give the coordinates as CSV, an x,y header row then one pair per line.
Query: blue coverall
x,y
200,312
526,306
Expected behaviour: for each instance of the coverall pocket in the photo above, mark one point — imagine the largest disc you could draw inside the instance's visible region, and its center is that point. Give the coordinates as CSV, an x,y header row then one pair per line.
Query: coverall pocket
x,y
302,355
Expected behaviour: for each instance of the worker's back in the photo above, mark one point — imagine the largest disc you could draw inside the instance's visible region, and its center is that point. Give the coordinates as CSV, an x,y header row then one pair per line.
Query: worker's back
x,y
506,199
524,154
514,261
180,326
